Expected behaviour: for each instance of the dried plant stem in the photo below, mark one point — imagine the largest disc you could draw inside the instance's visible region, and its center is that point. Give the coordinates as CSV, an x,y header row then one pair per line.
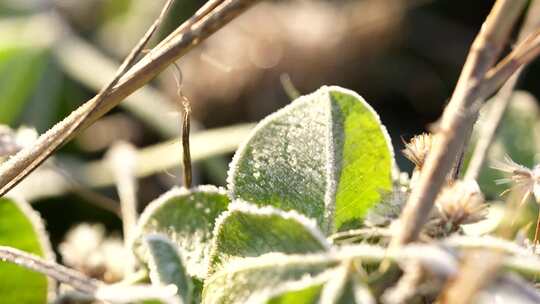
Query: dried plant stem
x,y
500,101
475,84
477,271
185,144
487,132
85,63
184,129
23,163
58,272
29,159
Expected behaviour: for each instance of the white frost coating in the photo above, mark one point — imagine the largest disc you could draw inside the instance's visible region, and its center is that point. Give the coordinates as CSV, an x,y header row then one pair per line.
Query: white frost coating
x,y
158,237
368,253
165,197
334,288
158,203
243,206
331,169
300,101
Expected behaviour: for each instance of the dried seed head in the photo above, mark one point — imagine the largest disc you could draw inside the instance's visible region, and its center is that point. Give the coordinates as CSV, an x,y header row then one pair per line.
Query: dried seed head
x,y
460,203
417,149
525,181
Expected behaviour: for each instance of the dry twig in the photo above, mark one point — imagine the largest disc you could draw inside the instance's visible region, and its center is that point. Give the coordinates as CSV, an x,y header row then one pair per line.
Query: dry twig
x,y
56,271
477,81
477,271
184,129
176,45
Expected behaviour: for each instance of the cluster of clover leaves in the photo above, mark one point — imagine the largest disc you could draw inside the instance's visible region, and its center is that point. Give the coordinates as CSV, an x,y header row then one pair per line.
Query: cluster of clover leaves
x,y
311,170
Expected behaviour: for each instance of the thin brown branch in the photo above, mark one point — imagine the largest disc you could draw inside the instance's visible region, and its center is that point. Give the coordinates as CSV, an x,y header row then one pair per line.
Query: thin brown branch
x,y
58,272
203,11
185,144
478,270
525,52
18,167
458,117
29,159
500,101
184,129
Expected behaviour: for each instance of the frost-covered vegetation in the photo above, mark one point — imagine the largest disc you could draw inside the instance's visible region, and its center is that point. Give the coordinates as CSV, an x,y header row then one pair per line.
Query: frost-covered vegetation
x,y
315,208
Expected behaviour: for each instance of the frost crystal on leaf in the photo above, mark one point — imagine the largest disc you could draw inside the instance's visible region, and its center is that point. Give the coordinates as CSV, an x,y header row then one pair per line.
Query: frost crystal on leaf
x,y
326,155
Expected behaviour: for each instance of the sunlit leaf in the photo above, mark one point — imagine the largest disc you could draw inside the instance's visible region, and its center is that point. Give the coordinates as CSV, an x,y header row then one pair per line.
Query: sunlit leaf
x,y
326,155
248,231
279,278
306,295
21,228
187,218
256,280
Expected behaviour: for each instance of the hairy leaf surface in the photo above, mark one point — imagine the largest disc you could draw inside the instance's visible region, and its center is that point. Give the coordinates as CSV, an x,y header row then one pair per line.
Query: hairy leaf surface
x,y
187,218
248,231
299,278
326,155
21,228
167,267
256,280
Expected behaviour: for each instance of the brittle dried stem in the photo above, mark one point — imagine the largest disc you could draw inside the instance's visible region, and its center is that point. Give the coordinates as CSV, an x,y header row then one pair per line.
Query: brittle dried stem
x,y
56,271
185,144
478,269
178,43
29,159
184,129
460,114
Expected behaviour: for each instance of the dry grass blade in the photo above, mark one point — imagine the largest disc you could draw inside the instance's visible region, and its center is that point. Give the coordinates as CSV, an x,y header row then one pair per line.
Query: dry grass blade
x,y
18,167
29,159
58,272
185,144
184,129
477,271
460,114
500,101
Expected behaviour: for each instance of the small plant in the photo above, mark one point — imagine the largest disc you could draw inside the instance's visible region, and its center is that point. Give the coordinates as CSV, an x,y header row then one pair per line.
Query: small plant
x,y
289,228
315,209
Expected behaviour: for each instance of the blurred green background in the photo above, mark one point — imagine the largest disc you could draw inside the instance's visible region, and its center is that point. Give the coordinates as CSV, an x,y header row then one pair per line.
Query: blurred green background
x,y
403,57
